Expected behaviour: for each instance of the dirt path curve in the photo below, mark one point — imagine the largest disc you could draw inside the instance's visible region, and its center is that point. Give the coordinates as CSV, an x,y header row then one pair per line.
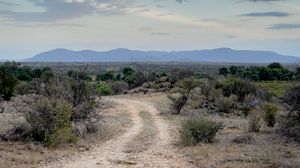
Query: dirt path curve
x,y
111,153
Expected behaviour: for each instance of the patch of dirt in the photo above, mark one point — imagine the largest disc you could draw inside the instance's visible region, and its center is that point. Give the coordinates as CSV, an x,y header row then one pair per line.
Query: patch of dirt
x,y
161,153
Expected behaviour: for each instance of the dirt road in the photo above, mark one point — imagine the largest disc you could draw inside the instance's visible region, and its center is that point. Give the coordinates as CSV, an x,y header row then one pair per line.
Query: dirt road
x,y
112,153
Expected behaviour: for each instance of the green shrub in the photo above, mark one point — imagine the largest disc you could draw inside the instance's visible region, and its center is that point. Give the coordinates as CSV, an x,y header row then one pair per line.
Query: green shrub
x,y
24,88
8,81
50,119
104,89
238,87
177,103
223,71
118,87
186,86
254,123
195,130
270,111
61,136
226,104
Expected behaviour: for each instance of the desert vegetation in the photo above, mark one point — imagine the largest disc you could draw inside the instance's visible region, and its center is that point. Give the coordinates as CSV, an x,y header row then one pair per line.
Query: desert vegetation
x,y
263,98
220,109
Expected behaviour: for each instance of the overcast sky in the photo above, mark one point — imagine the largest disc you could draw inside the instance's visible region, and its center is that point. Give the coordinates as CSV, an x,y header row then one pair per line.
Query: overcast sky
x,y
28,27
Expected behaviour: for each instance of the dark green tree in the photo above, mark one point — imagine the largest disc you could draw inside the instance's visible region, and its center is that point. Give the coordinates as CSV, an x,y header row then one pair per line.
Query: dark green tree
x,y
233,70
223,71
8,81
275,65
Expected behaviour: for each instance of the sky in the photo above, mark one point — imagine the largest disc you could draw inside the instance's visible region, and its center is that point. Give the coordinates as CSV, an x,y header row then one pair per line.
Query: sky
x,y
29,27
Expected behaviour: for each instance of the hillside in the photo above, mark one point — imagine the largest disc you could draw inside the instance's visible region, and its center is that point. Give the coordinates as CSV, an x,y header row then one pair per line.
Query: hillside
x,y
126,55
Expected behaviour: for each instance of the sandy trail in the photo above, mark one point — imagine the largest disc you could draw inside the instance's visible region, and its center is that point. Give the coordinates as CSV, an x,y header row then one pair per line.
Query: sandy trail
x,y
111,153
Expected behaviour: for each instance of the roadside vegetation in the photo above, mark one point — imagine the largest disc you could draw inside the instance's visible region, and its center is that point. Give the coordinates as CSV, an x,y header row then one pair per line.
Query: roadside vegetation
x,y
261,102
230,116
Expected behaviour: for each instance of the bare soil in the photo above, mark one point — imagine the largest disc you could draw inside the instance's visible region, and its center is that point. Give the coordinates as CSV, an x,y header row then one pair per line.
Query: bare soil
x,y
112,153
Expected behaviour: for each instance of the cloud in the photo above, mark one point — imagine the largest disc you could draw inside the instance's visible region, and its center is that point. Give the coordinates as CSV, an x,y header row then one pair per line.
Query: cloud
x,y
56,10
230,36
264,0
4,3
266,14
284,26
145,29
160,34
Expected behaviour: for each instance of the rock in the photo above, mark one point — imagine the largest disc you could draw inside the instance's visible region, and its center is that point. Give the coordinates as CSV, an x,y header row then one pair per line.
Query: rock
x,y
243,139
19,132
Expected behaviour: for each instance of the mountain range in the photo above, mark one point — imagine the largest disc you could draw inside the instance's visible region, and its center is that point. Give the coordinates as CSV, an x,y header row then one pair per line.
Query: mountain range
x,y
224,55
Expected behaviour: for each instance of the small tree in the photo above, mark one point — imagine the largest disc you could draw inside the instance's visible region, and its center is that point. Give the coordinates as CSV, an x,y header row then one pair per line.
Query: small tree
x,y
297,73
8,81
223,71
238,87
185,88
75,90
233,70
104,89
48,118
275,65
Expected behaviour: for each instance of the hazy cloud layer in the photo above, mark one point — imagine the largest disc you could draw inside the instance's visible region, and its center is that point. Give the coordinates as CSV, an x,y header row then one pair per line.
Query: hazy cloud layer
x,y
55,10
266,14
264,0
285,26
160,34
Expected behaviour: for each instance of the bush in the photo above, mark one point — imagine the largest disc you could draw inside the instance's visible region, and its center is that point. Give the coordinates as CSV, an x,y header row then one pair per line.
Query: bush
x,y
254,123
290,124
238,87
8,81
185,88
249,103
61,136
178,74
118,87
195,130
104,89
292,99
75,90
223,71
226,104
50,121
270,111
24,88
177,103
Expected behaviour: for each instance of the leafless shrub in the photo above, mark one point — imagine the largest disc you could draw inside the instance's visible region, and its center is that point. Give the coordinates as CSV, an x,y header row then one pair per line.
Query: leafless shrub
x,y
74,90
254,123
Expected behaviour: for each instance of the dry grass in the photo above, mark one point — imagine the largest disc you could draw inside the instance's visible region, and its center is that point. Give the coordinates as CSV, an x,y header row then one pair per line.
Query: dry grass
x,y
26,154
145,137
268,149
